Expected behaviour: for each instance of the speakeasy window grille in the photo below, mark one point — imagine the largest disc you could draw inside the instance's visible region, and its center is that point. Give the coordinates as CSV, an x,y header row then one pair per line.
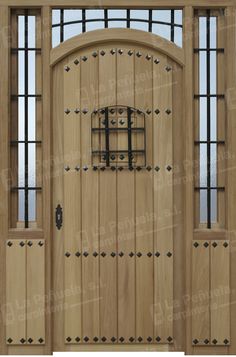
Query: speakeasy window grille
x,y
67,23
118,138
25,136
210,121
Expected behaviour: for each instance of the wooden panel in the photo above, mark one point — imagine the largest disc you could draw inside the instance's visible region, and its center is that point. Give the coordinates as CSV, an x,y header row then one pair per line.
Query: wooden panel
x,y
125,214
163,192
107,209
220,293
35,292
16,292
72,204
144,207
90,202
200,292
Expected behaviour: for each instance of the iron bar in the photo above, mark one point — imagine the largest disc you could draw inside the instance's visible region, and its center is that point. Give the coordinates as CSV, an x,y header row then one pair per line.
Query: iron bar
x,y
107,137
129,113
208,75
26,122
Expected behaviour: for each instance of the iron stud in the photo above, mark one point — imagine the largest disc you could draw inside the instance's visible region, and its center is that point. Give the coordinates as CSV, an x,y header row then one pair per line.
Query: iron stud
x,y
148,168
103,339
169,254
120,168
168,111
121,254
120,51
113,254
131,168
40,340
157,254
40,243
113,122
95,254
102,111
226,341
67,68
168,68
77,168
214,341
158,339
149,254
140,339
148,111
113,51
206,244
225,244
85,168
103,168
95,168
22,244
85,254
9,244
169,339
149,339
130,52
138,168
122,157
84,58
103,254
85,111
86,339
113,168
131,254
195,341
131,339
195,244
156,61
78,254
148,57
206,341
113,339
9,340
67,254
102,53
94,54
22,340
95,339
77,111
157,168
112,111
138,54
77,339
113,157
30,244
76,61
214,244
121,339
157,111
67,111
139,254
169,168
68,339
121,111
66,168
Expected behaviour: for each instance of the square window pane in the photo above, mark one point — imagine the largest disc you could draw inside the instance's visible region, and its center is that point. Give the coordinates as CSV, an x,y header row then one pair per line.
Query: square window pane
x,y
72,15
31,72
55,36
32,205
213,31
178,17
161,30
178,39
139,14
213,73
55,16
72,30
203,165
213,165
202,73
139,25
203,119
213,119
21,119
117,14
97,25
213,206
21,31
117,24
161,15
21,205
31,118
32,165
21,72
31,31
203,206
21,165
94,14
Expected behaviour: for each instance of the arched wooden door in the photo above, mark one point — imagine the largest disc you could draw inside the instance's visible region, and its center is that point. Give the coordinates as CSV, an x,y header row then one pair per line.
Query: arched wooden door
x,y
115,104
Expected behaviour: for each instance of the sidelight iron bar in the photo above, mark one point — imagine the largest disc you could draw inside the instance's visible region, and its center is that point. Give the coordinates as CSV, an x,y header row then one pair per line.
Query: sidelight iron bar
x,y
13,50
128,18
220,50
208,95
26,123
129,113
61,25
208,64
219,188
83,20
23,188
26,142
209,142
172,27
107,136
150,21
25,95
105,18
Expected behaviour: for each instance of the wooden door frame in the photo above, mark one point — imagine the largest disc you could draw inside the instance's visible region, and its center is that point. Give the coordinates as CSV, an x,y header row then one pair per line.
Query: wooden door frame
x,y
187,51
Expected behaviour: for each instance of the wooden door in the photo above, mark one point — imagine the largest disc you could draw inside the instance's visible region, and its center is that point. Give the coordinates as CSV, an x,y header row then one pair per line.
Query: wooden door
x,y
114,106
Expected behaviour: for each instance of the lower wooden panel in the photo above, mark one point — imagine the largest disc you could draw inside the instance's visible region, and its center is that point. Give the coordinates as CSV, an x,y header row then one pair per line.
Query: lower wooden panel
x,y
25,287
210,293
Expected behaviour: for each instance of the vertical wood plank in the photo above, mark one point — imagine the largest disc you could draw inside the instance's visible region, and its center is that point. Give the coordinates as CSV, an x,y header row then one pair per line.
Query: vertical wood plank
x,y
126,213
107,210
35,253
144,207
200,292
72,204
163,195
90,202
220,293
16,292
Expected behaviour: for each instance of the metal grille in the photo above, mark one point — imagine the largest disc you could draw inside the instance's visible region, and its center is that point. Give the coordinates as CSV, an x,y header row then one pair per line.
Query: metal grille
x,y
67,23
208,73
118,137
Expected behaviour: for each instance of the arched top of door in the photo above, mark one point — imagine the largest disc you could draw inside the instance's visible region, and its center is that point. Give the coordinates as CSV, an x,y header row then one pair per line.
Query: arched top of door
x,y
126,36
